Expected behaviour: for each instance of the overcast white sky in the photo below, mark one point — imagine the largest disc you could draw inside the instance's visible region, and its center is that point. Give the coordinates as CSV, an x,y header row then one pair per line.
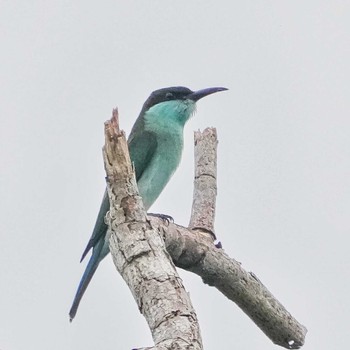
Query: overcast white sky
x,y
283,159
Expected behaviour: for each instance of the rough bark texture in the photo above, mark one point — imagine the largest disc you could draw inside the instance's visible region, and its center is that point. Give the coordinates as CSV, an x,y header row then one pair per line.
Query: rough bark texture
x,y
195,251
140,256
140,247
204,192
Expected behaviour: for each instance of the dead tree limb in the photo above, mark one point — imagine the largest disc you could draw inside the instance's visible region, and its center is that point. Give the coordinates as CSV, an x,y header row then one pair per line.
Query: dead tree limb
x,y
193,249
139,251
140,256
204,189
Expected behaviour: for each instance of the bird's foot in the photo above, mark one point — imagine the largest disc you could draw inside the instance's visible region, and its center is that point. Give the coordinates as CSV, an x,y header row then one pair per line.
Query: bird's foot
x,y
218,245
167,218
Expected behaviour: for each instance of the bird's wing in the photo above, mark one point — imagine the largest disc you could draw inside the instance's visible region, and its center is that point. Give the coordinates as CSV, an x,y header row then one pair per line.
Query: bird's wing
x,y
100,228
142,146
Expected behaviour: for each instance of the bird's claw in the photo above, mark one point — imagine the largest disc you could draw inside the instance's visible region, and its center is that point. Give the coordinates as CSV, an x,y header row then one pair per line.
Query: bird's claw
x,y
218,245
167,218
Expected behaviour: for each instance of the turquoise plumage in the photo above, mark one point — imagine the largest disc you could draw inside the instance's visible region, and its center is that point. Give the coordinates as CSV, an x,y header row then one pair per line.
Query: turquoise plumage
x,y
155,144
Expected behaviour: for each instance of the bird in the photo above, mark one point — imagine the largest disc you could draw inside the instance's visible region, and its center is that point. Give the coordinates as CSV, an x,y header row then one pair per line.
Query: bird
x,y
155,146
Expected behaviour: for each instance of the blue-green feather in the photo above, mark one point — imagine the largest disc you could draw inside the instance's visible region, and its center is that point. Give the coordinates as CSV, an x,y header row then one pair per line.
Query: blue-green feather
x,y
155,145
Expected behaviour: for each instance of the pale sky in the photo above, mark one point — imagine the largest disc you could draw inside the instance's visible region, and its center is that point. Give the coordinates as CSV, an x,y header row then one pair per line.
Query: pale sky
x,y
283,159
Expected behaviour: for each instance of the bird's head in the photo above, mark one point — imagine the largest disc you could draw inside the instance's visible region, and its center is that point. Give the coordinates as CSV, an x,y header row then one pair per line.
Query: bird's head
x,y
175,103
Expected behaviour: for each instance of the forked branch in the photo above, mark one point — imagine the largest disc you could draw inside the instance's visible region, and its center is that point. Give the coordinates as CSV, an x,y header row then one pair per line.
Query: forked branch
x,y
141,246
140,256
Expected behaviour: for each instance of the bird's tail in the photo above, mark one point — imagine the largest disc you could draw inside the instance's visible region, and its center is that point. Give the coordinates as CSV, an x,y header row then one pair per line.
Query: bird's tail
x,y
99,252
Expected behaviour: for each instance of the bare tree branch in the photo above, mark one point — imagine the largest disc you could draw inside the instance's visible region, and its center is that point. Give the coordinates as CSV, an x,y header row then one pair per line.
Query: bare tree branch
x,y
140,256
205,189
199,255
194,251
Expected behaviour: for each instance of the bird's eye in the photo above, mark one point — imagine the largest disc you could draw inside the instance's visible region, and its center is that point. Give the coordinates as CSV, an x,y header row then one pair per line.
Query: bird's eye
x,y
169,96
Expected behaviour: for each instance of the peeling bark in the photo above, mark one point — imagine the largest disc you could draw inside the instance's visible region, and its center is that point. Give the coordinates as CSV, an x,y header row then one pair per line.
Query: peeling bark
x,y
140,256
144,251
195,251
205,190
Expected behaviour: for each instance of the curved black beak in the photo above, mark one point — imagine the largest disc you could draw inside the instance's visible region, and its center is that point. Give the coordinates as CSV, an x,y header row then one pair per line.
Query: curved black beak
x,y
197,95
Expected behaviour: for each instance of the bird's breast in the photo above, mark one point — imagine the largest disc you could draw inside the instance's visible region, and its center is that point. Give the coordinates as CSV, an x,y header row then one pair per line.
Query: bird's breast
x,y
161,167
